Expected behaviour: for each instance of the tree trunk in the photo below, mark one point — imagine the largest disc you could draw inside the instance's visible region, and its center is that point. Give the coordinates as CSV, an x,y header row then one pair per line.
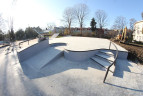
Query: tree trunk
x,y
69,29
100,26
81,29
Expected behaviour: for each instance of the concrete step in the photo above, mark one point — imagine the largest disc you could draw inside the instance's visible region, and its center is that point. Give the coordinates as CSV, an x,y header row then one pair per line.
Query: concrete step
x,y
103,63
105,56
106,52
44,57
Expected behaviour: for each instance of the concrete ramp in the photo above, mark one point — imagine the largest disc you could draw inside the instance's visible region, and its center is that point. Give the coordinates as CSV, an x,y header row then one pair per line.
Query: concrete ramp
x,y
44,57
54,35
31,51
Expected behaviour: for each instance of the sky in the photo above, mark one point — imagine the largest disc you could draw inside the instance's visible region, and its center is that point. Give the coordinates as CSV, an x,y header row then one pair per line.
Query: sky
x,y
42,12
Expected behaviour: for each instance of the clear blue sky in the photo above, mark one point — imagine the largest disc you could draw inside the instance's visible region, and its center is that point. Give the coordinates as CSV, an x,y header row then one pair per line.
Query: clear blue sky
x,y
40,12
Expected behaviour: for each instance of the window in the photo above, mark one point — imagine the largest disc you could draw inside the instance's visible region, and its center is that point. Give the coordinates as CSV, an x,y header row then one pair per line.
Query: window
x,y
140,38
138,32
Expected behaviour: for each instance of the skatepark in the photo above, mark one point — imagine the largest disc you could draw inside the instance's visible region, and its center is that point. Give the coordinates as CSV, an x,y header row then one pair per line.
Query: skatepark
x,y
73,66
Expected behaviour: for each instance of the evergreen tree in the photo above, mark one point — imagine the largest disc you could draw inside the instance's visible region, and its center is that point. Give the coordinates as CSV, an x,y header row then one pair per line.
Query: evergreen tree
x,y
20,34
12,35
30,33
93,24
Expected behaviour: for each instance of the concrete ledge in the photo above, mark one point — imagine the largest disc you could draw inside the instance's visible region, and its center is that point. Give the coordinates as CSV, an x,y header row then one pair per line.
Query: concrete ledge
x,y
79,55
85,55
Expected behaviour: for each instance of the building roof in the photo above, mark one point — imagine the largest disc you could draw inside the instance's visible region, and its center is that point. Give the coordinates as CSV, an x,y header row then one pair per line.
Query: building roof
x,y
138,22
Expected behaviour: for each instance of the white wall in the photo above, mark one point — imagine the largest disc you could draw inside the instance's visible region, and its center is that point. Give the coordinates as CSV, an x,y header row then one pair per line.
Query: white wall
x,y
138,33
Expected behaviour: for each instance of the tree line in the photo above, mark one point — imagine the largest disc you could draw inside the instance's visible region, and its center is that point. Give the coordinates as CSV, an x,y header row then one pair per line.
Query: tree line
x,y
28,33
79,13
21,34
76,14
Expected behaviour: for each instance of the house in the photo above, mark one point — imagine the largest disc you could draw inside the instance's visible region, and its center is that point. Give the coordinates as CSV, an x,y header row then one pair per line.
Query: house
x,y
138,31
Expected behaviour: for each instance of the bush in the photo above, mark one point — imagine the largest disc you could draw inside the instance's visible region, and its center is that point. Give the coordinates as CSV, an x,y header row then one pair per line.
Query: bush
x,y
30,33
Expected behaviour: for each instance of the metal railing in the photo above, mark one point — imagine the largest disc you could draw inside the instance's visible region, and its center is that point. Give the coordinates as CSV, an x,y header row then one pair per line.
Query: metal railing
x,y
114,62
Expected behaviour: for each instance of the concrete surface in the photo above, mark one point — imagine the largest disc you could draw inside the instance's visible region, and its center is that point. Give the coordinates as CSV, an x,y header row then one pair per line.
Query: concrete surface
x,y
43,58
2,49
85,43
26,44
67,78
82,48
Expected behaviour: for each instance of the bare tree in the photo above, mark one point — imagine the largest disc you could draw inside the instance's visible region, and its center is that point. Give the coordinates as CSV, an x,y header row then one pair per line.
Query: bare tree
x,y
10,21
68,17
11,30
120,23
101,18
132,22
142,15
81,13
